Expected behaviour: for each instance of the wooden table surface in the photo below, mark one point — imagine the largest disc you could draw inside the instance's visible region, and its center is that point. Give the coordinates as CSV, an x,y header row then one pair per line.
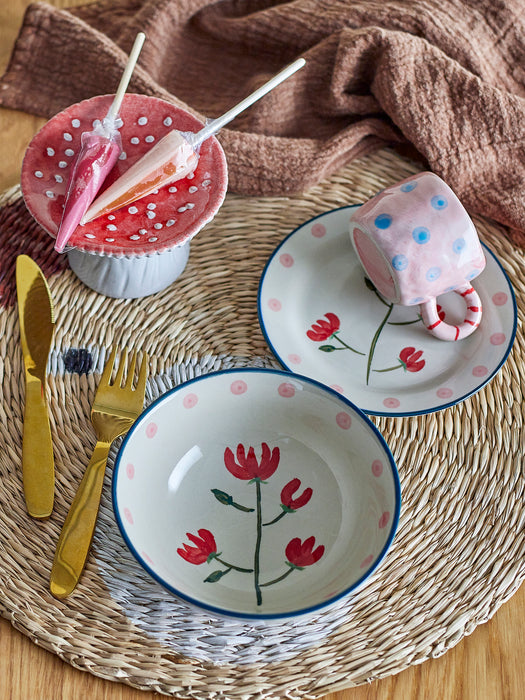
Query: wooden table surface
x,y
487,665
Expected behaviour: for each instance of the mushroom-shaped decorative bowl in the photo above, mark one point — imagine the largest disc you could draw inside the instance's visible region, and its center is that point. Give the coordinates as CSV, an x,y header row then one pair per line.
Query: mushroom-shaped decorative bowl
x,y
141,248
257,494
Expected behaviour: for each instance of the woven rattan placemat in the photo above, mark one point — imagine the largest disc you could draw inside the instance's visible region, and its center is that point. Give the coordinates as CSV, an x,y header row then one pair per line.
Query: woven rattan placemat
x,y
460,548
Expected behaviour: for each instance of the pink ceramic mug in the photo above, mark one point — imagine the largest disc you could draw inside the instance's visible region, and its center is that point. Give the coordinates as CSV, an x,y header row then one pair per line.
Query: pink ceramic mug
x,y
416,242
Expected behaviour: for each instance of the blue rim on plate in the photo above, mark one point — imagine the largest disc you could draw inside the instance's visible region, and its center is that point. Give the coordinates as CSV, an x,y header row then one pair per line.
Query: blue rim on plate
x,y
140,423
313,282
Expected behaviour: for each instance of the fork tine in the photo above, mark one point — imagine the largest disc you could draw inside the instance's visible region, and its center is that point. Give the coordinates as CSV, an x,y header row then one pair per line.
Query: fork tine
x,y
131,371
143,373
108,368
121,367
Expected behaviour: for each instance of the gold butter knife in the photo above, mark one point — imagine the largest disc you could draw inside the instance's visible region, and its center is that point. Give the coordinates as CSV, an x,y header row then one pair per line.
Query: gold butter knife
x,y
36,316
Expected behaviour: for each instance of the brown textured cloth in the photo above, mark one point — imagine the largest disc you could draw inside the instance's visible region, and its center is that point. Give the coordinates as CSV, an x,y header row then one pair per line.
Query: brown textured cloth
x,y
446,77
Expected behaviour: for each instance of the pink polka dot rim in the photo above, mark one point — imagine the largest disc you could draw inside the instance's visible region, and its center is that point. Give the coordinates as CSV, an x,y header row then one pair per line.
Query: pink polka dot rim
x,y
318,230
500,298
298,434
286,390
151,430
377,467
391,402
238,387
286,260
147,557
444,393
159,222
367,561
344,420
383,520
497,338
190,400
480,371
274,304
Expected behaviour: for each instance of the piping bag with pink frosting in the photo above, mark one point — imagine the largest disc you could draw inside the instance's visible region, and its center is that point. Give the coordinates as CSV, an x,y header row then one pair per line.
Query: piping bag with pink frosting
x,y
175,156
98,154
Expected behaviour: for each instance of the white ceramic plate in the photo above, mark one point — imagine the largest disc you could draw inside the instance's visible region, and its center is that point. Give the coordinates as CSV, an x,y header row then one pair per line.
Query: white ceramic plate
x,y
323,319
256,494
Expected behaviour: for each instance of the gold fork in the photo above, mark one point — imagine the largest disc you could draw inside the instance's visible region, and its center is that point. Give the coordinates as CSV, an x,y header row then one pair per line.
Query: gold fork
x,y
114,410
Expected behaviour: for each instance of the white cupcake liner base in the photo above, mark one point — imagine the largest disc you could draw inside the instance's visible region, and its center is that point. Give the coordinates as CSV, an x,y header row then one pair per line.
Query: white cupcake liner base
x,y
129,277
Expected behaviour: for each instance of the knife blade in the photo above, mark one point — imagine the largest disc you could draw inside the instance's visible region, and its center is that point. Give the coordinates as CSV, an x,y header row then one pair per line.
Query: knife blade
x,y
37,320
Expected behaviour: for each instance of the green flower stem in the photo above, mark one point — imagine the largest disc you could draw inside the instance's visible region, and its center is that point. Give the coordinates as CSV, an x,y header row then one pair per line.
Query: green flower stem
x,y
279,578
404,323
278,517
374,342
383,301
256,562
348,347
380,297
388,369
232,566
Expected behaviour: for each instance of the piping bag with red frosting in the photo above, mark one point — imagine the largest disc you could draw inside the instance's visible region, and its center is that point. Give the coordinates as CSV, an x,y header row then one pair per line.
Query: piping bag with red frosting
x,y
175,156
98,154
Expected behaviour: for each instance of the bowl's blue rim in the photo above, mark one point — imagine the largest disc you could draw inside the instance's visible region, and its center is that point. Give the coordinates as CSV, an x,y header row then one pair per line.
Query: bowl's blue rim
x,y
373,412
247,615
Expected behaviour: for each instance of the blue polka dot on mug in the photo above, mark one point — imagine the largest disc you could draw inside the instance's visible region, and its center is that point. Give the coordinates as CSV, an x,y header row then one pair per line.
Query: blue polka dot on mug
x,y
400,262
408,186
433,274
458,245
439,202
421,235
383,221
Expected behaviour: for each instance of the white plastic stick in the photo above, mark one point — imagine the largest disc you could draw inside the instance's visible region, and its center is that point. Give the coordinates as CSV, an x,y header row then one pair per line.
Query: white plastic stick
x,y
216,124
126,76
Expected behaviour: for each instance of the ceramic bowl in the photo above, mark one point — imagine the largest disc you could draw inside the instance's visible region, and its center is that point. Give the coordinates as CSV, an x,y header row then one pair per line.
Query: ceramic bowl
x,y
257,494
139,249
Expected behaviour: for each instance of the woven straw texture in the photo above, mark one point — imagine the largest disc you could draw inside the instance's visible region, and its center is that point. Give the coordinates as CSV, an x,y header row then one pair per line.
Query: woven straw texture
x,y
460,548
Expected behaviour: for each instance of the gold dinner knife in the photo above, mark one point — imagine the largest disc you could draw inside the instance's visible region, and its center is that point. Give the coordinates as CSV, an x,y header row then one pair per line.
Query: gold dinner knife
x,y
36,315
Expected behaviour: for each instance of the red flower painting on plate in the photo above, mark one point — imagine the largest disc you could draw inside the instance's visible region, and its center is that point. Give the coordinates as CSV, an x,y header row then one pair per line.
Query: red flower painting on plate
x,y
329,328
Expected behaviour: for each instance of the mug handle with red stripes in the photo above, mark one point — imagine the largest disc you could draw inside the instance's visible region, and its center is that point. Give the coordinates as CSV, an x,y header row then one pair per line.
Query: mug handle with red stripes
x,y
445,331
